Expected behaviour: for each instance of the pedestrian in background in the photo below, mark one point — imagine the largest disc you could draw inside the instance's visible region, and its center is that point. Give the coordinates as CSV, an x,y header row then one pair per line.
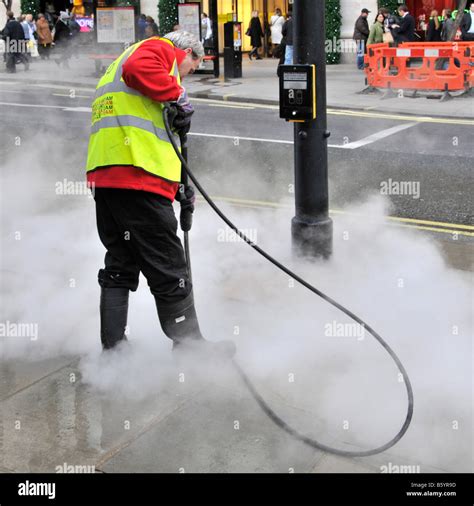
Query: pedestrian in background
x,y
206,31
433,33
62,39
287,32
276,25
32,36
45,38
404,31
377,30
255,33
50,14
141,25
24,25
361,35
151,29
15,42
446,24
467,25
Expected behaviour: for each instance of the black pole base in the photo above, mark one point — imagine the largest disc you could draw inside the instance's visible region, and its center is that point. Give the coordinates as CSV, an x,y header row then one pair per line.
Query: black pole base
x,y
312,238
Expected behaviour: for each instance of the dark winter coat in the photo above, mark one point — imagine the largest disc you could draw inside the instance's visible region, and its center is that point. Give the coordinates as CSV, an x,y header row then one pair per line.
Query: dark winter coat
x,y
446,28
466,25
361,29
433,34
256,32
62,34
287,32
13,31
406,31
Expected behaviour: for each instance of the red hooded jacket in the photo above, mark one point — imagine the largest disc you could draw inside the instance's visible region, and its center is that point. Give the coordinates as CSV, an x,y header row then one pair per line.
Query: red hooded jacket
x,y
147,71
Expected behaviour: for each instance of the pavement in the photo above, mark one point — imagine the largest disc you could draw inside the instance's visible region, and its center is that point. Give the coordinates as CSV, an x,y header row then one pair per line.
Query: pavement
x,y
65,406
259,84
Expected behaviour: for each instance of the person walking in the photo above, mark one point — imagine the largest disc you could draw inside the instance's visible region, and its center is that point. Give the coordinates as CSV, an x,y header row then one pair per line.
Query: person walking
x,y
136,175
62,39
276,24
404,31
206,31
377,30
15,43
467,24
433,33
45,38
361,35
255,33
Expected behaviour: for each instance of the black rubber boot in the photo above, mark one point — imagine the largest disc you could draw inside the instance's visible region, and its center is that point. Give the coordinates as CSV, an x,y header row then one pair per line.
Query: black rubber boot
x,y
179,322
113,316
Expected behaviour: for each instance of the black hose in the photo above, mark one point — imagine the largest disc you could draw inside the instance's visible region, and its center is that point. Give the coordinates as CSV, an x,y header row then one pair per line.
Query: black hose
x,y
260,400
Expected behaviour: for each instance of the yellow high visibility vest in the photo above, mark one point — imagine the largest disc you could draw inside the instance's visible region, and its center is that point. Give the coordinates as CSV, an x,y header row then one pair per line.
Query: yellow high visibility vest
x,y
127,127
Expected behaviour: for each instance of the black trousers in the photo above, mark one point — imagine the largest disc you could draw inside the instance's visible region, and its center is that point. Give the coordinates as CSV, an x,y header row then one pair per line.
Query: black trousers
x,y
12,58
138,229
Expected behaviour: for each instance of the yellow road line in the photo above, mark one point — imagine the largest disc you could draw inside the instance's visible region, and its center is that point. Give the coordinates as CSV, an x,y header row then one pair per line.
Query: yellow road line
x,y
349,112
447,228
400,117
416,221
433,229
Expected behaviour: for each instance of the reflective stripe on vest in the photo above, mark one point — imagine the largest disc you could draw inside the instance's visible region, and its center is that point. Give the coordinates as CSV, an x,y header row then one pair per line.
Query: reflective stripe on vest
x,y
127,127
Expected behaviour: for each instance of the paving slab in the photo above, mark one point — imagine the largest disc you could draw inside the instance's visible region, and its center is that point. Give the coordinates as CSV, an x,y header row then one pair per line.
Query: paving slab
x,y
221,431
59,419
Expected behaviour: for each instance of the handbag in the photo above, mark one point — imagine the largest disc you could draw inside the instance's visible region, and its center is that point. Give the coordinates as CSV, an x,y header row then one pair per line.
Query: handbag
x,y
248,32
278,51
388,37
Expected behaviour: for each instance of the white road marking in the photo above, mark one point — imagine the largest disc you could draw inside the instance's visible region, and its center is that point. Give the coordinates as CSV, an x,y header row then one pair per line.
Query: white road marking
x,y
232,106
78,109
230,103
69,95
378,136
237,137
352,145
62,87
254,139
33,105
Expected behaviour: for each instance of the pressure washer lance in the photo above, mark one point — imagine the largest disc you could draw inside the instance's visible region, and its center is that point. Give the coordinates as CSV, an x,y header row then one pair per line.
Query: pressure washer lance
x,y
260,400
184,182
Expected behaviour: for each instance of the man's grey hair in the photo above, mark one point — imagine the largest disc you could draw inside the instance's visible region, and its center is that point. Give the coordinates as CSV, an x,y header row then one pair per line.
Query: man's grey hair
x,y
183,40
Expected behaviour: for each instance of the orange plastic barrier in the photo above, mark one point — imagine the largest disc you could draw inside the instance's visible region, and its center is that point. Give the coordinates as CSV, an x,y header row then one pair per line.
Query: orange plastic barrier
x,y
444,66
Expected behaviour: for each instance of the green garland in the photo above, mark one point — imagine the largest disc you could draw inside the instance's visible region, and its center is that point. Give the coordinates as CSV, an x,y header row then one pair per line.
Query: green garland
x,y
30,7
167,15
391,5
333,28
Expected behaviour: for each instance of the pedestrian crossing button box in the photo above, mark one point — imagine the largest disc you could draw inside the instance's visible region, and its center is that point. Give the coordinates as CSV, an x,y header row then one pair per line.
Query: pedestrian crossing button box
x,y
298,92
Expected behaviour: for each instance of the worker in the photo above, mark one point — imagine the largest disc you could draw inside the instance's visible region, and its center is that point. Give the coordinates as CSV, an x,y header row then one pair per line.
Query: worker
x,y
135,175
